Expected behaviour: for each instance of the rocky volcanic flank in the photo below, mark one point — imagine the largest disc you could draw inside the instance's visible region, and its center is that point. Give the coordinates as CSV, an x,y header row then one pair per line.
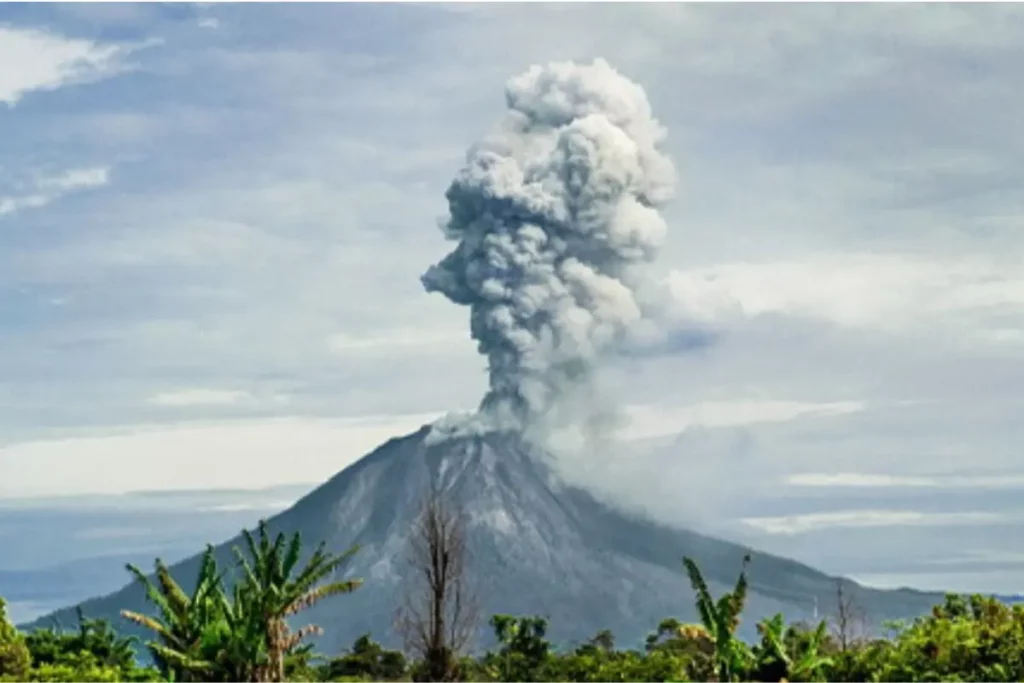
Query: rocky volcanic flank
x,y
538,547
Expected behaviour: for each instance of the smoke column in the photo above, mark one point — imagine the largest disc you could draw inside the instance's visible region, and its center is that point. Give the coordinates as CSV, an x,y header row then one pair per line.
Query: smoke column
x,y
550,214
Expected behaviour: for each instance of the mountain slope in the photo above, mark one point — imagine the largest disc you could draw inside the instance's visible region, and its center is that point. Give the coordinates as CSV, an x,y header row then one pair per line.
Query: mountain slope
x,y
538,547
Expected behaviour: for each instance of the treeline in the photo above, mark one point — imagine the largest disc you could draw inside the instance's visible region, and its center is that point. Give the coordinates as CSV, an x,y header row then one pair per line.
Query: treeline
x,y
241,633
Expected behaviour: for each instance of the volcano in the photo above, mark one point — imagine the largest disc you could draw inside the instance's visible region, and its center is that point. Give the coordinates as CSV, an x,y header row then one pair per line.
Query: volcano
x,y
538,547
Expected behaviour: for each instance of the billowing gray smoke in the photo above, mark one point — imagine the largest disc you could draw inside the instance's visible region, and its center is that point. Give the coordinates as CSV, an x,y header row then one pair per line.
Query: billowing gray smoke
x,y
550,213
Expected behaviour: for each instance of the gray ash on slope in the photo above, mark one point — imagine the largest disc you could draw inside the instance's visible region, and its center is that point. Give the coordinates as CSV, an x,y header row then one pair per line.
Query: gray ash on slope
x,y
538,547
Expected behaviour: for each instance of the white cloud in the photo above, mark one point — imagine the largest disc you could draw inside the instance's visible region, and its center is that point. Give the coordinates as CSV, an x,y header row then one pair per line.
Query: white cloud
x,y
268,506
9,205
856,480
101,532
1002,336
229,455
867,519
652,421
284,450
728,63
45,189
981,557
852,479
998,582
76,179
208,23
47,61
393,341
874,291
199,397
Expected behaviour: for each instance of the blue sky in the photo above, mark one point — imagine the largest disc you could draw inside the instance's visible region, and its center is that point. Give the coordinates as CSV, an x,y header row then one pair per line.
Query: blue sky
x,y
213,219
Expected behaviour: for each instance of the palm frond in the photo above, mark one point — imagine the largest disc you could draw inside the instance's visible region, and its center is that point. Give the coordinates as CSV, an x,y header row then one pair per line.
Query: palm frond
x,y
723,608
276,558
207,568
292,641
739,593
705,604
250,544
150,623
697,580
292,557
315,595
247,569
176,597
321,565
264,549
153,594
181,659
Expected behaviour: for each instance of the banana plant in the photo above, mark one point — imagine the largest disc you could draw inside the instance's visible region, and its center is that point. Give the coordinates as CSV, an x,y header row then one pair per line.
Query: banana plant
x,y
192,635
775,661
721,619
274,587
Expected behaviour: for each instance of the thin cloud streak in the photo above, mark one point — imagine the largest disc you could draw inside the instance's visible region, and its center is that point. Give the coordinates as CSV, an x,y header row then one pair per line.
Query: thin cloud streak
x,y
856,480
199,397
47,189
869,519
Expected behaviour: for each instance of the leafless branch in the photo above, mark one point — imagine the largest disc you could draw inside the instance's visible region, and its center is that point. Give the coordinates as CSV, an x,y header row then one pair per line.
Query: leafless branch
x,y
849,623
438,615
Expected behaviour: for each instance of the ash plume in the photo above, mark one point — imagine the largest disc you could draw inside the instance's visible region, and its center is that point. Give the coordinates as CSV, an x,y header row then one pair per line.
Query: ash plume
x,y
550,214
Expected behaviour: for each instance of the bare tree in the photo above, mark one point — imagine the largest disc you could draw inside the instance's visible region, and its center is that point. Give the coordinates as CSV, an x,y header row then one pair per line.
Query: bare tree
x,y
438,615
849,624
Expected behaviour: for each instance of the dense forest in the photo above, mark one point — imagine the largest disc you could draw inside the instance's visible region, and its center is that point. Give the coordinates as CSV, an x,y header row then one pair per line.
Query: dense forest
x,y
239,630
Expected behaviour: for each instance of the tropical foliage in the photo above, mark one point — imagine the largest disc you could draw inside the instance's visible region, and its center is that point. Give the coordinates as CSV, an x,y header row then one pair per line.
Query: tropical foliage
x,y
720,619
238,630
211,636
15,658
91,652
367,660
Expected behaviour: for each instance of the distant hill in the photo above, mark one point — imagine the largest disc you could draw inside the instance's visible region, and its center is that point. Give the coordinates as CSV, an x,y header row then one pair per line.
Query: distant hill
x,y
539,547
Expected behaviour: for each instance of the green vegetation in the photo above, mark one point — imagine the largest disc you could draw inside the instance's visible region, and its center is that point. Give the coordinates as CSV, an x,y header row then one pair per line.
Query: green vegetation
x,y
720,619
241,634
211,636
15,658
92,652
